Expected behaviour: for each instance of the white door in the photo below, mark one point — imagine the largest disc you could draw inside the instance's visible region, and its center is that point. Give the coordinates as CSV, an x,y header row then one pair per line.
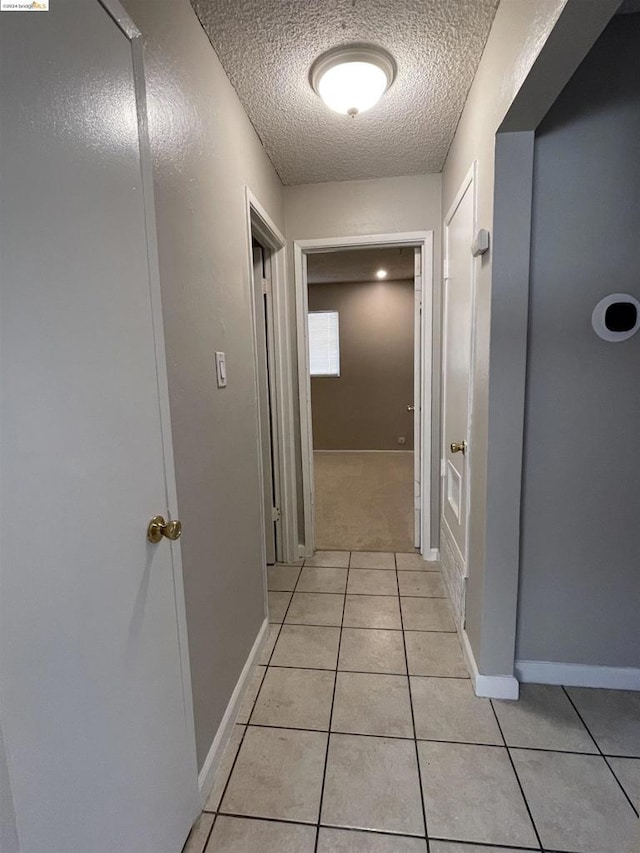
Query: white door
x,y
457,353
96,709
417,397
261,285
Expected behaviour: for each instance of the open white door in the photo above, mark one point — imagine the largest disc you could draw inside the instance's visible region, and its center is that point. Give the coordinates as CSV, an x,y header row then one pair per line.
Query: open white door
x,y
457,364
94,670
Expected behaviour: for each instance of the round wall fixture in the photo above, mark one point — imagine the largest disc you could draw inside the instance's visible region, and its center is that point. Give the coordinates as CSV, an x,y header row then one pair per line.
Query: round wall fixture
x,y
352,78
616,317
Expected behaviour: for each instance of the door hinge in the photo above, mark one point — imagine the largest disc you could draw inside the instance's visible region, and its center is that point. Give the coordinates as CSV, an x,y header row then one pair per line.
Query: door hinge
x,y
276,515
445,270
266,285
443,469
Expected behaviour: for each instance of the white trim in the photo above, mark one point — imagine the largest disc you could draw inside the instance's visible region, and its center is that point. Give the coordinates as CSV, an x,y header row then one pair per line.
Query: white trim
x,y
116,10
488,686
302,248
328,244
418,407
304,396
578,674
221,739
469,180
260,223
452,539
431,555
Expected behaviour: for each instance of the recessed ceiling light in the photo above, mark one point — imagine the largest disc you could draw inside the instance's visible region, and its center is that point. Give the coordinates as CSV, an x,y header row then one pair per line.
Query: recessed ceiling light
x,y
381,274
352,78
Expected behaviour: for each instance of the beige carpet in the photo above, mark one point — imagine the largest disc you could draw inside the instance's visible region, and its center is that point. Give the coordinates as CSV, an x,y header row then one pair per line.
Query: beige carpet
x,y
364,501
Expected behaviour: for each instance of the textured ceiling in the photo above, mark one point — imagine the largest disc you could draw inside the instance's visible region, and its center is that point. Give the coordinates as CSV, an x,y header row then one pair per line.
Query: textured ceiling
x,y
268,46
359,265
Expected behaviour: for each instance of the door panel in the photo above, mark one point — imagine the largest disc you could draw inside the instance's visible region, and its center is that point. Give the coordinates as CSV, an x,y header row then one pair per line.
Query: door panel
x,y
457,332
94,712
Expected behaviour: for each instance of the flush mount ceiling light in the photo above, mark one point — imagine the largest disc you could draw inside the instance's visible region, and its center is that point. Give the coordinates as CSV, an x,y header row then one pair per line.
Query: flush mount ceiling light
x,y
381,274
352,78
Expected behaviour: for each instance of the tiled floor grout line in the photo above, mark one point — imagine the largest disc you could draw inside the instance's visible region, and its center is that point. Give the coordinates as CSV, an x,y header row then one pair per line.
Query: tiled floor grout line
x,y
483,844
359,671
473,844
600,752
363,628
515,773
333,699
418,739
246,726
413,719
360,594
210,833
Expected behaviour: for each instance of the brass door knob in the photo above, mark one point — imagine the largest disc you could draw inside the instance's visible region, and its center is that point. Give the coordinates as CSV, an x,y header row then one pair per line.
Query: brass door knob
x,y
158,528
458,447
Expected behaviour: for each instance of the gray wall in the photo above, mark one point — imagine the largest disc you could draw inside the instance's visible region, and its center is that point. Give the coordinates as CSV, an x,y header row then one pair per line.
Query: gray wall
x,y
377,206
580,562
365,408
205,151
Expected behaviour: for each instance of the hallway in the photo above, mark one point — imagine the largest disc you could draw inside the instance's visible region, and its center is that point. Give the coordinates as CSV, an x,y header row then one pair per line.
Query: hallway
x,y
361,716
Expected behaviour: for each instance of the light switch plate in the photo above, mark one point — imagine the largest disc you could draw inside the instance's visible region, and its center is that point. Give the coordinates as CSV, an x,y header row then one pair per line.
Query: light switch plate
x,y
221,369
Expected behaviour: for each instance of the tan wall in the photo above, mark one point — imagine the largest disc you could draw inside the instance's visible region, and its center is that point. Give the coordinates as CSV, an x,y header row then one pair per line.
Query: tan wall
x,y
205,151
365,408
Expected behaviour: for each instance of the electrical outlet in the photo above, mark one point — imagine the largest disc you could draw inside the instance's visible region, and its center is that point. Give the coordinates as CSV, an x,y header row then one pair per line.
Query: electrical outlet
x,y
402,439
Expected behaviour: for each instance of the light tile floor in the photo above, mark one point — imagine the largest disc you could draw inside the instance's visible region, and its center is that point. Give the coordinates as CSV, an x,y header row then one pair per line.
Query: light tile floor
x,y
359,732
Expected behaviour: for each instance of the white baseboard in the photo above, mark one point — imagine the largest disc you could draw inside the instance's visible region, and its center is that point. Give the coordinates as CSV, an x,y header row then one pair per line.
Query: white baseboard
x,y
578,674
431,555
488,686
206,775
303,553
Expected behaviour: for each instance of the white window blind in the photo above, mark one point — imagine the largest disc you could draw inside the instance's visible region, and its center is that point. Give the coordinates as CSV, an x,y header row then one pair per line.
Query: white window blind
x,y
324,343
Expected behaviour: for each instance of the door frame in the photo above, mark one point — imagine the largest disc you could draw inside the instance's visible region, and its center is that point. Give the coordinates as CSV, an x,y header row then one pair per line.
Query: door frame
x,y
260,225
301,249
470,180
123,20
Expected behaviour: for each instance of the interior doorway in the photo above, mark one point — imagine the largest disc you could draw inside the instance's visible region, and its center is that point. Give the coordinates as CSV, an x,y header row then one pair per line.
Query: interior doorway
x,y
266,393
276,459
364,344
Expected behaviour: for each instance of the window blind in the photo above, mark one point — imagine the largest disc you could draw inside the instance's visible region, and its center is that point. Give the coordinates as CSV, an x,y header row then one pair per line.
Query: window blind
x,y
324,343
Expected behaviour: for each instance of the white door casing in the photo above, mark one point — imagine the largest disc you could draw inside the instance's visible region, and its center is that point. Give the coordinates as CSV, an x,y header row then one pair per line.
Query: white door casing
x,y
280,374
457,362
417,396
261,283
423,240
94,672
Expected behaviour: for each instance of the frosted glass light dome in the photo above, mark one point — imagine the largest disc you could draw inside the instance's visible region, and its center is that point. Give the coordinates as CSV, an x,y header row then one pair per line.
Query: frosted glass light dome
x,y
352,79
